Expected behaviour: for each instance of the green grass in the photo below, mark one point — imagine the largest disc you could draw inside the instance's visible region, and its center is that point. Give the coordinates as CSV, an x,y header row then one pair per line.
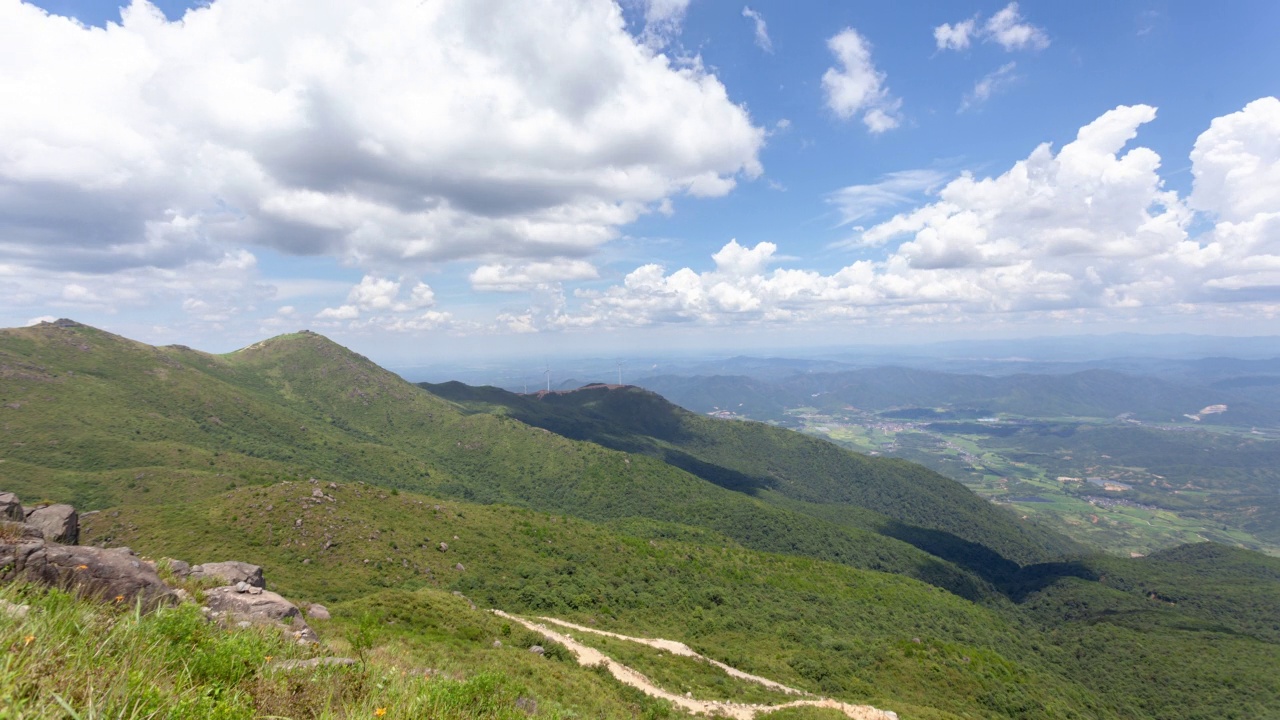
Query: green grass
x,y
680,674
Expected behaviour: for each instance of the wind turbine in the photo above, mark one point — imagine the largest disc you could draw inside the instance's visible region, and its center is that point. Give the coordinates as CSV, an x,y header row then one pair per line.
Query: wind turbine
x,y
620,363
547,372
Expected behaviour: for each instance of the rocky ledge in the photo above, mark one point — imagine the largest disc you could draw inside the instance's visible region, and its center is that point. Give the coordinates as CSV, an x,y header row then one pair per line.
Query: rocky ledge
x,y
39,545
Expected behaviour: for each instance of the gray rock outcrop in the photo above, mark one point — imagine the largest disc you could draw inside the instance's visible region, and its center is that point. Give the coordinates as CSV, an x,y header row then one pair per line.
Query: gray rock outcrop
x,y
10,507
230,572
59,523
115,575
249,603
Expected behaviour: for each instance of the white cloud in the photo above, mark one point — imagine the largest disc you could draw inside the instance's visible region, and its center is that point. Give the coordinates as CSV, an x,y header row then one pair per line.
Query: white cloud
x,y
990,84
342,312
1236,163
954,37
1006,28
762,30
38,320
857,86
858,202
379,295
387,134
525,276
1087,229
662,21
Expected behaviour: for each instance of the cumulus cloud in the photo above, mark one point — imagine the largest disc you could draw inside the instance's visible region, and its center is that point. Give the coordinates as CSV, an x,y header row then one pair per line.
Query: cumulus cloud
x,y
1007,28
380,295
386,133
1236,163
762,30
526,276
1087,228
954,37
857,86
990,84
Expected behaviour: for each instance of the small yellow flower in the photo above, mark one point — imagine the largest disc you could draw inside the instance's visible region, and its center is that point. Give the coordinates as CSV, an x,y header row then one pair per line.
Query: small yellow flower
x,y
119,598
380,712
28,640
82,567
269,657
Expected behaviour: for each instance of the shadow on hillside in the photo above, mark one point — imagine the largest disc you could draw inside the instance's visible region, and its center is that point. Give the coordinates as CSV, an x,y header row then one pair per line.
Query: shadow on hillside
x,y
1012,580
716,474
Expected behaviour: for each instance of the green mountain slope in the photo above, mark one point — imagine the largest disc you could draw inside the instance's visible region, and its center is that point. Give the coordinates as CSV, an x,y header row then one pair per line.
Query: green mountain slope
x,y
208,457
906,501
853,634
96,419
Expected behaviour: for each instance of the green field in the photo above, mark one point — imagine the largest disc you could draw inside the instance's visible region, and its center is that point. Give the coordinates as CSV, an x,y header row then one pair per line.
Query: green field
x,y
1023,474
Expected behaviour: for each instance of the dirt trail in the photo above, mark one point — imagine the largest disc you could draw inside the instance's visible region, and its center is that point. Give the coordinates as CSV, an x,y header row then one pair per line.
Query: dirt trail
x,y
739,711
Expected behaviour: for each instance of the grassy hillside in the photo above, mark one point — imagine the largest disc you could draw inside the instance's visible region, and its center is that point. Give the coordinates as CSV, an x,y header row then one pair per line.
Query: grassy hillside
x,y
907,501
209,457
856,635
97,420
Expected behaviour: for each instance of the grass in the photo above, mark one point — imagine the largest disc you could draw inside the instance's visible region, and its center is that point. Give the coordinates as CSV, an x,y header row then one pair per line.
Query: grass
x,y
680,674
81,659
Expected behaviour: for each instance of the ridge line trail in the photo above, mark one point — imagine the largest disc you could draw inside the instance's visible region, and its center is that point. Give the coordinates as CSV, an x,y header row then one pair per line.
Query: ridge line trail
x,y
588,656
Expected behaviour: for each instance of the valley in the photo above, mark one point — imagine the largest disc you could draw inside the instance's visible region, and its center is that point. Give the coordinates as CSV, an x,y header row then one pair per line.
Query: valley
x,y
1113,502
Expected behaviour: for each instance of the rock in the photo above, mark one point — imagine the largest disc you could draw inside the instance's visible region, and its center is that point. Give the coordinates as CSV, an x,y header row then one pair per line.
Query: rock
x,y
538,650
312,663
316,611
497,643
317,493
230,572
11,508
16,532
444,547
59,523
178,568
258,606
13,611
115,575
459,567
527,704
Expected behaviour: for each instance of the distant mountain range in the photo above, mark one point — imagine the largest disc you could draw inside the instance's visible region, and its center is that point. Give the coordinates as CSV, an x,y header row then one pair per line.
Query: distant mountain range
x,y
1241,385
866,579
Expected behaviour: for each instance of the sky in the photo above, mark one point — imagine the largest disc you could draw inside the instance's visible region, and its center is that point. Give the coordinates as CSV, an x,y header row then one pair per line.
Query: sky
x,y
421,179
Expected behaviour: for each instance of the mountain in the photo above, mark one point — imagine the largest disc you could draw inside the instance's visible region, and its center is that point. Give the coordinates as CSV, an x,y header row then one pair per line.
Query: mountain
x,y
906,501
97,419
1088,393
837,574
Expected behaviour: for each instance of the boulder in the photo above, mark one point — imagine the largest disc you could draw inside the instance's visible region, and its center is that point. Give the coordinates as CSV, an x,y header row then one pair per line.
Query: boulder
x,y
17,532
115,575
59,523
262,606
10,507
316,611
248,603
179,568
230,572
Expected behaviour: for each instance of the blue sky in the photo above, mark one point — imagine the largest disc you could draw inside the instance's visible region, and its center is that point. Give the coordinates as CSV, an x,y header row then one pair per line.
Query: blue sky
x,y
437,176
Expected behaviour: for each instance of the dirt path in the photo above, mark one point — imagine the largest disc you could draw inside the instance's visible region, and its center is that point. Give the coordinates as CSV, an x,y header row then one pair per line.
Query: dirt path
x,y
739,711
